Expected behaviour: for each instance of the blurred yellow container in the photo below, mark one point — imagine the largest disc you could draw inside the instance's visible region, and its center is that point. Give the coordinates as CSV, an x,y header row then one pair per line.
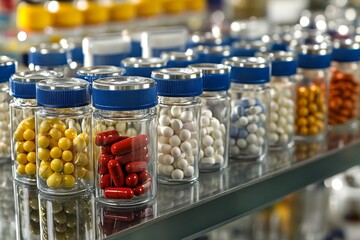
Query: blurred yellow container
x,y
65,15
173,6
32,17
93,13
195,5
148,8
122,11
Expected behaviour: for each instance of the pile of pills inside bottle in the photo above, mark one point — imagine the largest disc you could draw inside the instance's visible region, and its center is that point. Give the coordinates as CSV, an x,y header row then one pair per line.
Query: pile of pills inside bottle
x,y
178,124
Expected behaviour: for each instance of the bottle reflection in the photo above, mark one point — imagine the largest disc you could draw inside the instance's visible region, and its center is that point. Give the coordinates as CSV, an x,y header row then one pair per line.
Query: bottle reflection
x,y
67,217
307,149
111,220
279,158
213,182
337,140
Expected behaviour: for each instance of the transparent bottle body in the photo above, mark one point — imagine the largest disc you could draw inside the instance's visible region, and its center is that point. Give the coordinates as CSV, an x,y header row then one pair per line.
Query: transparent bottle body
x,y
118,182
64,147
250,104
70,217
5,142
214,123
282,111
27,212
311,105
344,95
23,151
178,139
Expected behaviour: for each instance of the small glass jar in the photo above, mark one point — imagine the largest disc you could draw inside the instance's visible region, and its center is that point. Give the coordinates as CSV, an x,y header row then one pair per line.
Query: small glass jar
x,y
48,56
179,59
142,66
63,142
178,124
283,97
124,123
7,68
249,48
22,115
212,54
90,74
312,91
74,55
27,211
215,116
67,217
344,84
206,39
250,104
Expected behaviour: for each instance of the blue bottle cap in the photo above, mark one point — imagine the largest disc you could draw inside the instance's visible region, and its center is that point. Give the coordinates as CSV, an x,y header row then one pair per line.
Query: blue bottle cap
x,y
248,48
179,59
73,48
47,55
7,68
248,70
124,93
178,82
62,93
216,77
314,56
23,84
213,54
92,73
346,50
206,39
282,63
142,66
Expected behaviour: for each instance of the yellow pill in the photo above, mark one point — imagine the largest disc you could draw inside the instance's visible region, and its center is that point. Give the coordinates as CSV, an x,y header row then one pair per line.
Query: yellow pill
x,y
30,168
319,115
29,146
320,125
313,130
45,127
55,134
29,123
56,152
68,180
85,137
64,143
302,102
303,131
313,108
81,159
29,135
311,120
303,111
43,154
79,144
302,121
71,133
303,92
60,126
43,142
54,180
18,135
45,171
67,156
53,143
31,157
21,158
80,171
19,147
43,163
69,168
56,165
88,176
21,169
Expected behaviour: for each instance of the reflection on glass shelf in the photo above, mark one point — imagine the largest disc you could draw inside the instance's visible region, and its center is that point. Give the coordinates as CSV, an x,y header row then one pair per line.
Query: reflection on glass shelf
x,y
79,216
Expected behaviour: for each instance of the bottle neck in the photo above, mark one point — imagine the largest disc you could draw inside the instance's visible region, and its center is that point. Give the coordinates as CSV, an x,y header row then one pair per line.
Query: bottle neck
x,y
76,111
179,100
25,102
133,114
346,67
252,87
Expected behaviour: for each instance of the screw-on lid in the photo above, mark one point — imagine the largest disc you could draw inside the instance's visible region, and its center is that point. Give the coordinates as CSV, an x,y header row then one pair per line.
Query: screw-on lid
x,y
282,63
124,93
7,68
92,73
248,70
142,66
47,55
216,77
314,56
23,84
73,48
206,39
212,54
248,48
346,50
179,59
178,82
62,93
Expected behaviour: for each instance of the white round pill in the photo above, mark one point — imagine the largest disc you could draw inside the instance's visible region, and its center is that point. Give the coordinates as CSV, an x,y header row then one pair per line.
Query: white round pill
x,y
167,169
223,128
187,116
161,158
251,138
243,121
163,139
176,124
193,142
242,143
215,123
219,159
164,120
185,135
273,137
218,143
260,141
176,152
252,128
207,113
165,148
284,138
272,126
174,141
260,132
177,174
189,126
182,164
216,134
208,160
221,150
131,132
205,121
189,171
209,151
201,153
190,159
175,111
234,150
167,131
207,140
253,149
168,159
186,147
281,121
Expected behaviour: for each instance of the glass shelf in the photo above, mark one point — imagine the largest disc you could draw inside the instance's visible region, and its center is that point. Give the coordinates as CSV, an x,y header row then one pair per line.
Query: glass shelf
x,y
184,211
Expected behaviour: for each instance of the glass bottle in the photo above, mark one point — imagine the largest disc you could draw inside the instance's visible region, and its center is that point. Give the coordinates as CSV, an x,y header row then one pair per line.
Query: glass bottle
x,y
142,66
179,59
90,74
212,54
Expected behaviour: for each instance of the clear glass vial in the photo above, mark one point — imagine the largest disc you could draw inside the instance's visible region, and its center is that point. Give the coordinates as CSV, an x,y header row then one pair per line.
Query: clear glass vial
x,y
67,217
22,115
215,116
344,84
312,91
124,123
92,73
143,67
283,97
178,124
64,144
179,59
8,67
249,48
250,104
48,56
